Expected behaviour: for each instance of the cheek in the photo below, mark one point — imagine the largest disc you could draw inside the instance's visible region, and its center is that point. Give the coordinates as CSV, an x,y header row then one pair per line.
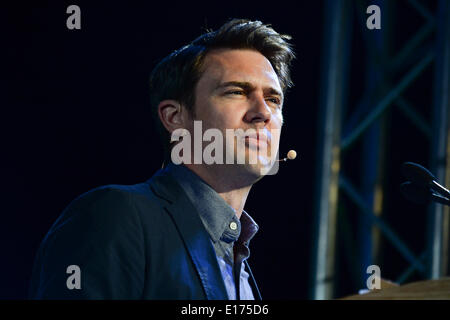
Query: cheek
x,y
276,121
216,114
277,118
227,119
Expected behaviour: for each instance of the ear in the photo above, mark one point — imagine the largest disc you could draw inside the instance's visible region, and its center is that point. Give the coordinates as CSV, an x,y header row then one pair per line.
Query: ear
x,y
171,114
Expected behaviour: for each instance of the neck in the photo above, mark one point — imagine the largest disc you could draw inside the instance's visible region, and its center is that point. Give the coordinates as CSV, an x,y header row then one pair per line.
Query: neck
x,y
231,190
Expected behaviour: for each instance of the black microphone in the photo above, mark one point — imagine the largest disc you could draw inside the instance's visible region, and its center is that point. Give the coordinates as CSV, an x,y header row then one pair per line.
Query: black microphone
x,y
422,177
421,194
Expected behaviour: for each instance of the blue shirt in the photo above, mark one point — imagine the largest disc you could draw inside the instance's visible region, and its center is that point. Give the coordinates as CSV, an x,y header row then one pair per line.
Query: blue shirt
x,y
230,236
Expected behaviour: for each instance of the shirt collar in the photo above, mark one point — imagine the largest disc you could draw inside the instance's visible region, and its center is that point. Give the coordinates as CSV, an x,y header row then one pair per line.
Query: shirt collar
x,y
216,214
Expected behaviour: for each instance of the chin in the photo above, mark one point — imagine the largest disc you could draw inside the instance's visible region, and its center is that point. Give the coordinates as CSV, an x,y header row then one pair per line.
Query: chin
x,y
255,169
258,170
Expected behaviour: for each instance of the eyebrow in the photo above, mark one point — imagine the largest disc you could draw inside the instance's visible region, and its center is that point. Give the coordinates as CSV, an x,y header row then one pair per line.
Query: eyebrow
x,y
247,86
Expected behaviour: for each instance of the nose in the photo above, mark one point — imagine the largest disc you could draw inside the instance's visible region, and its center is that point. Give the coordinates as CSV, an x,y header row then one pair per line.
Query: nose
x,y
259,111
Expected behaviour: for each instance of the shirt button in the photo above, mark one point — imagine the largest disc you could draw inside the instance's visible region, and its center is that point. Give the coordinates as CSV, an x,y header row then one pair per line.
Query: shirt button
x,y
233,225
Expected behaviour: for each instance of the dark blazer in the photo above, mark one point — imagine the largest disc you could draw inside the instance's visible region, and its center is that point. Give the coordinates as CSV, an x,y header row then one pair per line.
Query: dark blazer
x,y
144,241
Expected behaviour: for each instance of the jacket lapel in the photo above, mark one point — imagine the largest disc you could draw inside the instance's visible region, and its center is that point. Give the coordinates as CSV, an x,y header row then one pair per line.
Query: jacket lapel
x,y
193,233
252,282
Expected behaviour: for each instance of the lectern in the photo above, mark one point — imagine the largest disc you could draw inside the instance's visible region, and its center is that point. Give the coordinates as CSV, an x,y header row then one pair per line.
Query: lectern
x,y
421,290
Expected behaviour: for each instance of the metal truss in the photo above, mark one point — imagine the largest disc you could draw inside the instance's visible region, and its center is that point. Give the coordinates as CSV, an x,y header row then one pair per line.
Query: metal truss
x,y
337,134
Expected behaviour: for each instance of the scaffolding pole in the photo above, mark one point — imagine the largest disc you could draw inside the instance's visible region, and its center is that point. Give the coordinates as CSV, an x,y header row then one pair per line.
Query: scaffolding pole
x,y
335,62
374,146
440,159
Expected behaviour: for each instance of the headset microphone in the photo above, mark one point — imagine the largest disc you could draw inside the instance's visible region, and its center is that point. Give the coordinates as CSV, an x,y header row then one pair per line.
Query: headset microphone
x,y
291,155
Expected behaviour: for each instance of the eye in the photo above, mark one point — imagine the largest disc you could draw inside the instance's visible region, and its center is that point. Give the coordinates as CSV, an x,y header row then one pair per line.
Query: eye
x,y
235,92
274,100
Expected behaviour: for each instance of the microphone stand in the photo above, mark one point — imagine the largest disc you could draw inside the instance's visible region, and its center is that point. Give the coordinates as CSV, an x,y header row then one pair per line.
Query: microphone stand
x,y
440,199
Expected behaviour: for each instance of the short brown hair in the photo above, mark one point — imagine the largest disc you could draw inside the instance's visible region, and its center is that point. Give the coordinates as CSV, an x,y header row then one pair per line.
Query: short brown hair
x,y
177,75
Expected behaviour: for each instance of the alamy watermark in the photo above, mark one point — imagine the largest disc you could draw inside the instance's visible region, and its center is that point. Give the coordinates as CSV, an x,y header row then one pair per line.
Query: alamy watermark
x,y
373,282
374,20
74,280
74,20
242,147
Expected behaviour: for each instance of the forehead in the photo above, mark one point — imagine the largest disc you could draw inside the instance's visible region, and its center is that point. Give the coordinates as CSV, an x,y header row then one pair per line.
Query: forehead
x,y
223,65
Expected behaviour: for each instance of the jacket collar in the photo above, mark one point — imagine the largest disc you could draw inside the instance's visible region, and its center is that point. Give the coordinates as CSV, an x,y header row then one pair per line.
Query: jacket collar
x,y
214,212
192,231
188,222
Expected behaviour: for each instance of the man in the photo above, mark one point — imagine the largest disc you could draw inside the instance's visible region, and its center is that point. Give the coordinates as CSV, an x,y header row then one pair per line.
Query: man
x,y
184,233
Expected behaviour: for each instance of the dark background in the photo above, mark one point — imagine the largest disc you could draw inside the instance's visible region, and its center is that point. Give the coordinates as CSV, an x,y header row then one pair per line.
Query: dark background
x,y
75,115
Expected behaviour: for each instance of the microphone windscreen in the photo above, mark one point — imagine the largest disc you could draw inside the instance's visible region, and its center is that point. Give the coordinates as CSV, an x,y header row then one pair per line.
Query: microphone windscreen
x,y
291,155
416,173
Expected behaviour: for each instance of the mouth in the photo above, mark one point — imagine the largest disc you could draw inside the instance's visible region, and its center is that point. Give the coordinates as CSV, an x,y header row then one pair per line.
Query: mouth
x,y
258,140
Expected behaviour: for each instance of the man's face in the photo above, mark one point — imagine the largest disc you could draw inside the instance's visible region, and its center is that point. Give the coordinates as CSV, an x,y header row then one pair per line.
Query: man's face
x,y
239,89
